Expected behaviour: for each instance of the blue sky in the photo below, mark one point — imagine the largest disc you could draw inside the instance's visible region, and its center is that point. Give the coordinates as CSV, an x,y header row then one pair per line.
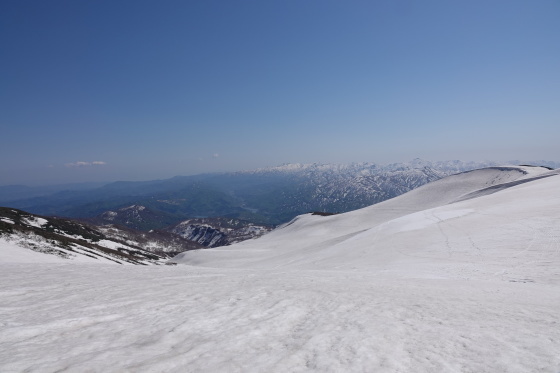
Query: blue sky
x,y
138,90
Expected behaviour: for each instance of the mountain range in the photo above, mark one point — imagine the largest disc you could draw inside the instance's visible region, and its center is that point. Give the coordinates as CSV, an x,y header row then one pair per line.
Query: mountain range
x,y
269,196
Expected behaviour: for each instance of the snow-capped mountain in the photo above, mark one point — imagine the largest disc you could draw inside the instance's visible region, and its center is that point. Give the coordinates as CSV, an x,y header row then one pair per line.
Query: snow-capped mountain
x,y
346,187
213,232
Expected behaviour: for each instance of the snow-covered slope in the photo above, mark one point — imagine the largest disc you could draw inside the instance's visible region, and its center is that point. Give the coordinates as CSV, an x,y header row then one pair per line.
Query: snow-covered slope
x,y
461,275
26,237
368,237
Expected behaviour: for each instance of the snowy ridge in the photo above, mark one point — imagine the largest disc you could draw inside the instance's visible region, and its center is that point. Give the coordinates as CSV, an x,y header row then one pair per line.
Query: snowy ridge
x,y
346,187
65,239
449,167
453,166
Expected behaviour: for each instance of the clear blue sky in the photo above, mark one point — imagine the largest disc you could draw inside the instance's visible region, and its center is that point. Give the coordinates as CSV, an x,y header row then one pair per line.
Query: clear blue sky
x,y
153,89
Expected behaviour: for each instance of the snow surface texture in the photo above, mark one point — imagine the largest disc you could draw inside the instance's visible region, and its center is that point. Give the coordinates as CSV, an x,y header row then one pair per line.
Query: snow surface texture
x,y
420,283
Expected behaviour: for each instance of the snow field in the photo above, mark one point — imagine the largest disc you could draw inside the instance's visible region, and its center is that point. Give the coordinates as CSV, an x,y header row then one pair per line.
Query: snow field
x,y
14,252
32,248
113,319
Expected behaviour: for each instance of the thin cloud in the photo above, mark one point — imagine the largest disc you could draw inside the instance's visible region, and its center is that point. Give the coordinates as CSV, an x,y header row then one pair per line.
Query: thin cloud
x,y
215,155
85,164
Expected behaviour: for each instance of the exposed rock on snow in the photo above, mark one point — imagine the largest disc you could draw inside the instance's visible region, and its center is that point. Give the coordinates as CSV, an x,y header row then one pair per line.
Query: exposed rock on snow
x,y
66,239
212,232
